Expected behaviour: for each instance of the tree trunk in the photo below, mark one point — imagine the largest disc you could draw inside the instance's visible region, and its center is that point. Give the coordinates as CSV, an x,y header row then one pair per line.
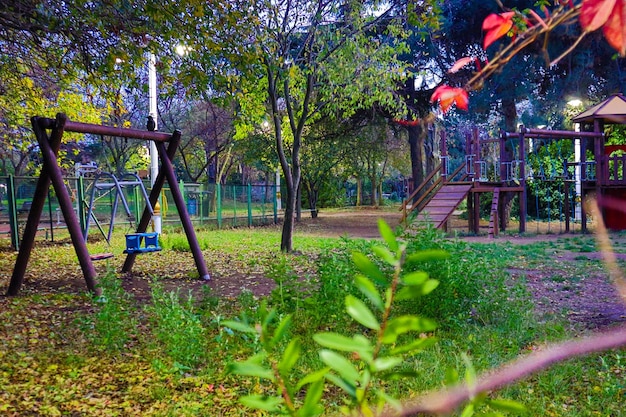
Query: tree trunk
x,y
312,191
286,240
509,112
299,203
359,192
416,145
373,188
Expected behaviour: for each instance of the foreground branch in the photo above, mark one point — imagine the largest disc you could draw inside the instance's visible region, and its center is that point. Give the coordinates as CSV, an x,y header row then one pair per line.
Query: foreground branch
x,y
447,400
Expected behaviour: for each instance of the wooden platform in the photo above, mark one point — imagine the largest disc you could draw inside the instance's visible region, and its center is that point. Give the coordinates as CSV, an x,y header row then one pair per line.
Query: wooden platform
x,y
443,204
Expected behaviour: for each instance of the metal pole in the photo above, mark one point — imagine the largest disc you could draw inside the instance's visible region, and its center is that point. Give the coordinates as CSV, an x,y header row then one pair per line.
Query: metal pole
x,y
249,197
154,154
15,235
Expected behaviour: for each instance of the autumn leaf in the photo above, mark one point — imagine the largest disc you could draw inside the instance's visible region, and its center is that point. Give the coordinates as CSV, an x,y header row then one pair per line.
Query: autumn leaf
x,y
447,96
460,64
407,122
496,26
610,15
595,13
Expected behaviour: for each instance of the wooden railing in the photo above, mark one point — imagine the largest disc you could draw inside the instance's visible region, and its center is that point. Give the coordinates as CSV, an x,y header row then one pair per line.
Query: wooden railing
x,y
408,205
612,170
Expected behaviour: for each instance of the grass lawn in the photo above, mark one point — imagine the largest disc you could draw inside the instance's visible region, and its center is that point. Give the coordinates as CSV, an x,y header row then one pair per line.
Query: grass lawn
x,y
156,344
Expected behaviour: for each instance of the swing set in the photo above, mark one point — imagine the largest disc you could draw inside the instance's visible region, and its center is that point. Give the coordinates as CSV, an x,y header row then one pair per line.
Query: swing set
x,y
139,242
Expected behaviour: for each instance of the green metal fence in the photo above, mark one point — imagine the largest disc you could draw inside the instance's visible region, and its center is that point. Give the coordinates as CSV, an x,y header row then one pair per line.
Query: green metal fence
x,y
208,205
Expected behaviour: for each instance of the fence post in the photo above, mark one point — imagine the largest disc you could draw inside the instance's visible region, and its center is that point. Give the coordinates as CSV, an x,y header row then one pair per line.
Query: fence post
x,y
249,192
234,206
80,203
15,238
218,204
275,203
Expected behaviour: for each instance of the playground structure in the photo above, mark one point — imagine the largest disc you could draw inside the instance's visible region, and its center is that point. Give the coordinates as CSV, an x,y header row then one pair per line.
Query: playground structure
x,y
114,188
51,173
500,168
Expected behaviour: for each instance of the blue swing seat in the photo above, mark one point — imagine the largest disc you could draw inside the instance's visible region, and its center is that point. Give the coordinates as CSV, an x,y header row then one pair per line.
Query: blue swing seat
x,y
134,242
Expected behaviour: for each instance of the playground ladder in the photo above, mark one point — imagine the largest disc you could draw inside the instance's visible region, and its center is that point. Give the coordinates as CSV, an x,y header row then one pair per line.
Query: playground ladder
x,y
493,218
439,209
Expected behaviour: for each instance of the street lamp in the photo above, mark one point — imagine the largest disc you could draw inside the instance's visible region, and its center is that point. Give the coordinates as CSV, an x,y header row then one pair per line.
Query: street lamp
x,y
154,155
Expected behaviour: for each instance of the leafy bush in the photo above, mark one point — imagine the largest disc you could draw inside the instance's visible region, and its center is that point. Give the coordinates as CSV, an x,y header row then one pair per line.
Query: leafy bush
x,y
178,328
112,325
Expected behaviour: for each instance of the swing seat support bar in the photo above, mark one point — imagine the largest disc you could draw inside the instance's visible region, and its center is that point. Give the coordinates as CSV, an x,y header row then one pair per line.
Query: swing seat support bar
x,y
51,173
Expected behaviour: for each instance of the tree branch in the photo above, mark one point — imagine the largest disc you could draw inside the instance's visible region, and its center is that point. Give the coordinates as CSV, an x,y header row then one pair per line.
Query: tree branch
x,y
447,400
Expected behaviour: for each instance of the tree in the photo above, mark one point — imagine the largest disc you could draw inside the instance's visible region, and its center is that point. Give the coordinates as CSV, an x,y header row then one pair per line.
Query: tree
x,y
297,57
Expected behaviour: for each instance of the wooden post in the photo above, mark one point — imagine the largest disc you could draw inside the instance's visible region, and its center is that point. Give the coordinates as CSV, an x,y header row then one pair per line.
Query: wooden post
x,y
522,171
168,169
567,205
153,198
476,213
51,173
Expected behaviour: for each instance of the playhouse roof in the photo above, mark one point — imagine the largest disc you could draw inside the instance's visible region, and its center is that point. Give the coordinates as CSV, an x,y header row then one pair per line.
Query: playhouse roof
x,y
611,110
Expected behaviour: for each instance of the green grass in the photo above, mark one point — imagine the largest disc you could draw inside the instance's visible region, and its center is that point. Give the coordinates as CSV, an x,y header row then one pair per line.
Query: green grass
x,y
169,357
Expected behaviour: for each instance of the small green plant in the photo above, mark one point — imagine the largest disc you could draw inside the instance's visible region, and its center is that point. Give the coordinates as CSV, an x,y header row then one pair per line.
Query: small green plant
x,y
362,365
112,325
177,327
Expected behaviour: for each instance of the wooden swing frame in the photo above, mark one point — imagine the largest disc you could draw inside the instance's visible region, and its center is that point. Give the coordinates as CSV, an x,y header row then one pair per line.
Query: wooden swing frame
x,y
51,173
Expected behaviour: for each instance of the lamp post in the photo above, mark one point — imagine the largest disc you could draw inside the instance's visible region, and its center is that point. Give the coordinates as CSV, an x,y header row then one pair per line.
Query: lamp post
x,y
154,156
574,104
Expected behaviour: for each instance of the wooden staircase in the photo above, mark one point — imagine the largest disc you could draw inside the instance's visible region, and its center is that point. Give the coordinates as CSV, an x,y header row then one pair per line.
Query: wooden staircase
x,y
439,209
493,218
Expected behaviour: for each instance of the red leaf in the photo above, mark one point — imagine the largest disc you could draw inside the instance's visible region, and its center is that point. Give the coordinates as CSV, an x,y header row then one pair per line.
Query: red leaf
x,y
496,26
595,13
615,28
611,16
447,96
460,64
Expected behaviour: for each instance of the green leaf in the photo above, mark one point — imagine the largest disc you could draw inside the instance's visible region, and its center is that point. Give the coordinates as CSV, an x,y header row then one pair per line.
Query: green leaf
x,y
414,346
387,234
369,290
343,343
468,411
408,293
452,376
386,363
361,313
311,405
407,323
239,326
339,363
384,254
388,399
429,286
312,377
290,356
507,405
281,330
348,387
368,268
427,256
470,372
250,369
259,402
415,278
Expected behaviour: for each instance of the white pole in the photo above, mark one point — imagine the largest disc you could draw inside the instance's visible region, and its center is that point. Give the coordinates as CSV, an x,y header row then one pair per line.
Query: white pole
x,y
278,196
154,157
577,176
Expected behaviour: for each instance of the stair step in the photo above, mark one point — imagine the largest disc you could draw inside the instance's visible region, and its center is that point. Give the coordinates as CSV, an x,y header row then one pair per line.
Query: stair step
x,y
493,217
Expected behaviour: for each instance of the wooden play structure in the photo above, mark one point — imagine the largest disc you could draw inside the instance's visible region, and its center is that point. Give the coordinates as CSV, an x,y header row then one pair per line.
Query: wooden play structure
x,y
139,242
498,168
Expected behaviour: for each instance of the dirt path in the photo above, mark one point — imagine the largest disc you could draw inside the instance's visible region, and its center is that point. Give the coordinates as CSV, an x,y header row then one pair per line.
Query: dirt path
x,y
584,297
